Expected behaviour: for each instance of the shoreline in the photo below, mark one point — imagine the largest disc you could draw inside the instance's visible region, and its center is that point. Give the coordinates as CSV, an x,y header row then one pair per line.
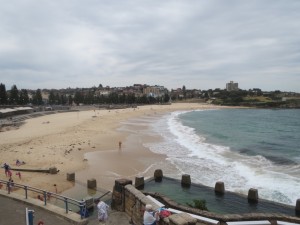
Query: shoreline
x,y
62,140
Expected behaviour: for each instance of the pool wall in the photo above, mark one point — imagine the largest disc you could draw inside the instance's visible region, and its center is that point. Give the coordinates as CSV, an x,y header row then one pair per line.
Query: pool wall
x,y
129,199
225,202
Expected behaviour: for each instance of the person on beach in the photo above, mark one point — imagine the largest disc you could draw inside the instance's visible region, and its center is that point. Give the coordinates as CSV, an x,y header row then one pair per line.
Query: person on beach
x,y
150,216
12,184
6,169
102,208
120,145
18,163
19,175
9,185
55,187
39,197
9,174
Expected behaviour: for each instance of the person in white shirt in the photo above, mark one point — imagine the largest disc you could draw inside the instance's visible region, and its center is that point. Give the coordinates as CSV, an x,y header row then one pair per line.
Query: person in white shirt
x,y
102,211
150,216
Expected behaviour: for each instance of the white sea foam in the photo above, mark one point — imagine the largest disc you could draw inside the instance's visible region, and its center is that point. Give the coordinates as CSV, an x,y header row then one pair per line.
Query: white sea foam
x,y
209,163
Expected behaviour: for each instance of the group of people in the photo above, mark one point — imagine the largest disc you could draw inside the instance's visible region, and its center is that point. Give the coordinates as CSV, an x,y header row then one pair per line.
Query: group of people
x,y
48,194
8,173
150,216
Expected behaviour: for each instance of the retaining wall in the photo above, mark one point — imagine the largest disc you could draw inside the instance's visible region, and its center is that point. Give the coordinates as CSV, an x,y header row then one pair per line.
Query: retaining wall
x,y
127,198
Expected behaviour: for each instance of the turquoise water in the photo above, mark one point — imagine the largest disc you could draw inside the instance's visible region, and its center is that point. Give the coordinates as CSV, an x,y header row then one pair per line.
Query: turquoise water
x,y
244,148
273,134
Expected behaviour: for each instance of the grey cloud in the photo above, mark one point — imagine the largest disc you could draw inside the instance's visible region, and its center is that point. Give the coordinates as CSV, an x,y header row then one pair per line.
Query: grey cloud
x,y
200,44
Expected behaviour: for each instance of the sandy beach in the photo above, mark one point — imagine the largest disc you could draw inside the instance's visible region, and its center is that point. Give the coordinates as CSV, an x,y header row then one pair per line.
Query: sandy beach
x,y
70,140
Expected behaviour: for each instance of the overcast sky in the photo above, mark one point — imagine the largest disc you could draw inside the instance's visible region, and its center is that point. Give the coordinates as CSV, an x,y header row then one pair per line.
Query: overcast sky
x,y
201,44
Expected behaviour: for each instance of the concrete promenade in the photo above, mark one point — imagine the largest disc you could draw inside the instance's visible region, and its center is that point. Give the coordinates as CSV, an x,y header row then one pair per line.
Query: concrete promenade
x,y
13,207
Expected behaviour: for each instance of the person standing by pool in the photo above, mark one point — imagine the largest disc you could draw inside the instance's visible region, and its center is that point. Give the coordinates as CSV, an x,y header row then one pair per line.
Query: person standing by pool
x,y
150,216
102,208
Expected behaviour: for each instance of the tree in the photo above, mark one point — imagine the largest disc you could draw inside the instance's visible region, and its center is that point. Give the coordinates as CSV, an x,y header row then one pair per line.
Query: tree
x,y
151,100
184,91
89,98
142,99
14,95
23,98
130,98
166,98
37,97
113,98
63,99
70,100
122,98
3,94
78,98
57,99
51,98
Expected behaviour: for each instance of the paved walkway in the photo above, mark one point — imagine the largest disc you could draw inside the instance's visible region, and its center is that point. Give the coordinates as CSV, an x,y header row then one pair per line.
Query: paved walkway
x,y
13,208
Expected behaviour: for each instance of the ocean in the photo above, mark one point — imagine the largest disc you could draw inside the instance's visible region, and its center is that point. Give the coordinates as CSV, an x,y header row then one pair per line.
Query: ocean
x,y
244,148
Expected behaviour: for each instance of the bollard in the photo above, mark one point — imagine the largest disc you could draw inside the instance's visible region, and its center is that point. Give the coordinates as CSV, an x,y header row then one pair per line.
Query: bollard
x,y
158,175
71,176
186,180
29,216
92,183
139,182
219,187
53,170
118,195
298,205
253,195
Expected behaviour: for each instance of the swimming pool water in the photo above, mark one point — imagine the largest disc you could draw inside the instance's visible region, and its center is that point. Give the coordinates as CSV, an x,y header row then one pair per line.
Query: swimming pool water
x,y
222,204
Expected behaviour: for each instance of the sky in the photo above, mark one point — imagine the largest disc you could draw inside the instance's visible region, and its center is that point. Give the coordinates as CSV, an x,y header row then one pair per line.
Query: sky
x,y
202,44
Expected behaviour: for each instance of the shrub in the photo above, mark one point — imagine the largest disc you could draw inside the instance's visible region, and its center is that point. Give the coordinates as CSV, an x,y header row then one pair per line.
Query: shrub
x,y
198,204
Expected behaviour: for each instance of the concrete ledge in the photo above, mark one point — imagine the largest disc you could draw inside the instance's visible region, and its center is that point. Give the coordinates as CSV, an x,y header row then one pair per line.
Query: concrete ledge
x,y
72,217
155,201
182,219
285,223
199,218
258,222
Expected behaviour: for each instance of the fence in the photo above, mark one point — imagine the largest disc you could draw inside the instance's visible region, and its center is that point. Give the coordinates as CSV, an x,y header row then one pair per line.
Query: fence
x,y
45,196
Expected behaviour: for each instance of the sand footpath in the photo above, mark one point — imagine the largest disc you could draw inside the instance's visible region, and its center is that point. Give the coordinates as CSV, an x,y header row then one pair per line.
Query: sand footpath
x,y
61,140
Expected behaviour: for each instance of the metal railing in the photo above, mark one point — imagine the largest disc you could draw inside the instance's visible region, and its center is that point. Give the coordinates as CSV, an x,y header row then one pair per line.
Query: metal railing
x,y
45,196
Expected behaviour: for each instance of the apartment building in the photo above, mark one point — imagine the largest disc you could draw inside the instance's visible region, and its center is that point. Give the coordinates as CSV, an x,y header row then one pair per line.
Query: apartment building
x,y
232,86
